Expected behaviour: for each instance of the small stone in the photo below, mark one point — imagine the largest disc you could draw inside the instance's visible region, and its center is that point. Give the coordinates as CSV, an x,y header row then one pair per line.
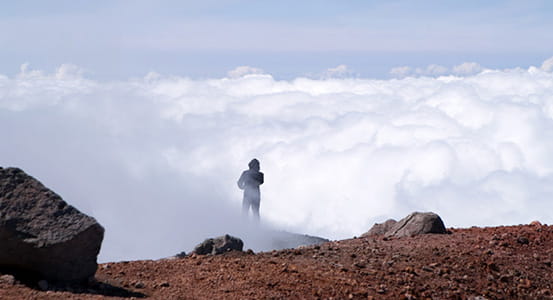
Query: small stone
x,y
493,267
525,283
427,269
219,245
164,284
139,285
523,240
505,278
7,279
43,285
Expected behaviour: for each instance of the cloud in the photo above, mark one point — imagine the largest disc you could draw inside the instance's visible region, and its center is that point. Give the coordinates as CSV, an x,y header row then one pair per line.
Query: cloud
x,y
340,71
400,71
242,71
156,159
467,68
430,70
464,69
547,65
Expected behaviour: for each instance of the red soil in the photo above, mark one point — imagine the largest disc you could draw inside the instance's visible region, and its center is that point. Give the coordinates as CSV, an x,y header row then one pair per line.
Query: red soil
x,y
512,262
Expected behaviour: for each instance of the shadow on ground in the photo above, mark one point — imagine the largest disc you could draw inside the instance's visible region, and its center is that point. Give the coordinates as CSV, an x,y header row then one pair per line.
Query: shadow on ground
x,y
91,287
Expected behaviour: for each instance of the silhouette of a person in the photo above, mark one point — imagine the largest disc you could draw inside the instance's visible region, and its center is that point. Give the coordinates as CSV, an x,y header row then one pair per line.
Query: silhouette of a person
x,y
249,181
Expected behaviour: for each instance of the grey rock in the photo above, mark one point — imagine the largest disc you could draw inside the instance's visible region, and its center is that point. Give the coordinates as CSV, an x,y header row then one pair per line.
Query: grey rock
x,y
43,285
219,245
380,228
181,255
7,279
417,223
41,235
477,298
414,224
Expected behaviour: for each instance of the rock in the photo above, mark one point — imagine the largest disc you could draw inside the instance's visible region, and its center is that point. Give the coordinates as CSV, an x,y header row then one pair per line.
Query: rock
x,y
43,285
41,235
181,255
536,223
219,245
414,224
7,279
523,240
380,228
418,223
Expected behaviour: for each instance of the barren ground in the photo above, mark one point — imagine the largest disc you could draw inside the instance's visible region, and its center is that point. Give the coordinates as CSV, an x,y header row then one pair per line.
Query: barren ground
x,y
511,262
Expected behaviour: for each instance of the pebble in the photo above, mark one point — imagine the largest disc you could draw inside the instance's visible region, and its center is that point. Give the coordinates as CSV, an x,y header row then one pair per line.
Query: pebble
x,y
523,240
43,285
7,279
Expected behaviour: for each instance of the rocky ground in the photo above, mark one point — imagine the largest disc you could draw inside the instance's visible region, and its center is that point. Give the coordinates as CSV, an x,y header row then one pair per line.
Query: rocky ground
x,y
512,262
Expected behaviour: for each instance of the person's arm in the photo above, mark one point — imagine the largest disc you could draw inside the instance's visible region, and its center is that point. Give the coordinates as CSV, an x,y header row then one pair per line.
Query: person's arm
x,y
261,178
241,180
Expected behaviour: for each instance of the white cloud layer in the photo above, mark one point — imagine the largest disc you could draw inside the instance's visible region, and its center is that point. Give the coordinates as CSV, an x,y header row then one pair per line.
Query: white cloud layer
x,y
156,159
464,69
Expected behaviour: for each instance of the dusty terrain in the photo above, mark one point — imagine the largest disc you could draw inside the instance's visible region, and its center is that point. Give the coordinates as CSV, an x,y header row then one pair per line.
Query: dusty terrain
x,y
512,262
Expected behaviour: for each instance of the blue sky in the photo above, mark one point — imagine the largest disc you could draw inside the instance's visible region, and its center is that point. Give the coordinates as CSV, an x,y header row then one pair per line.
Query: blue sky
x,y
121,39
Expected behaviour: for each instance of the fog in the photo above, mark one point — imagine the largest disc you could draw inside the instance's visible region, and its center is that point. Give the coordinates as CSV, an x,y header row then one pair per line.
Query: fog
x,y
155,159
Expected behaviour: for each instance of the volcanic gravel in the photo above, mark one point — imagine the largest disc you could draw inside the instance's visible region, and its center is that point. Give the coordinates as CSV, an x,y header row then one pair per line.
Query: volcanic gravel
x,y
508,262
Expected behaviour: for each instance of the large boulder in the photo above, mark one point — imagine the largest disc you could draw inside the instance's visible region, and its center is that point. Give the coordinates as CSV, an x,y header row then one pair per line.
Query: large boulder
x,y
219,245
41,235
381,228
414,224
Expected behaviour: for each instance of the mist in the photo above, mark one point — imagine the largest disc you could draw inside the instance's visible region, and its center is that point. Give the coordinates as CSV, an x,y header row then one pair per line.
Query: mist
x,y
156,159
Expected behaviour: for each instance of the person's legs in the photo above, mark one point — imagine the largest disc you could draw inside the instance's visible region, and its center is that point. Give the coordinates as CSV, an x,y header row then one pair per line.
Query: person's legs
x,y
245,206
255,209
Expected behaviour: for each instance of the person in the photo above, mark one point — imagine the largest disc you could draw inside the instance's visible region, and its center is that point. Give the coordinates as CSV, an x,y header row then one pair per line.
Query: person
x,y
249,181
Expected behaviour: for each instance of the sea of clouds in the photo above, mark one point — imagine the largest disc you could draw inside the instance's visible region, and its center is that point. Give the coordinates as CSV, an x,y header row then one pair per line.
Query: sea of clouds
x,y
156,159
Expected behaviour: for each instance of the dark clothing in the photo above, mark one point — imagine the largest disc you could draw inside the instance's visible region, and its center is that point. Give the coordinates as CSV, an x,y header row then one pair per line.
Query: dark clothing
x,y
249,181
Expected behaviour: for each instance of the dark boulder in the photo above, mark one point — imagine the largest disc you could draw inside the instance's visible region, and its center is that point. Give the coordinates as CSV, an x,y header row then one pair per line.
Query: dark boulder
x,y
418,223
414,224
41,235
380,228
219,245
